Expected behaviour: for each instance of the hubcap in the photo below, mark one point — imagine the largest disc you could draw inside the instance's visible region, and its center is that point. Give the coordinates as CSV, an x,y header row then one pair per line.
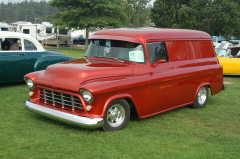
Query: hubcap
x,y
202,95
115,115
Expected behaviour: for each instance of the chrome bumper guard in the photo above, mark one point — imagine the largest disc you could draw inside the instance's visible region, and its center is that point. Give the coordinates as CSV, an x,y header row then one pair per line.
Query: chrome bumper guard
x,y
84,122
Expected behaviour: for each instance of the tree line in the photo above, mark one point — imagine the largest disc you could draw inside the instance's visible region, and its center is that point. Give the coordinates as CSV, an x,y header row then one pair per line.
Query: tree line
x,y
217,17
27,10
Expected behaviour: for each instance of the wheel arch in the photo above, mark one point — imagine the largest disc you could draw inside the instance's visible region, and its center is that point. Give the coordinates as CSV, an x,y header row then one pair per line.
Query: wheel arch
x,y
208,85
126,97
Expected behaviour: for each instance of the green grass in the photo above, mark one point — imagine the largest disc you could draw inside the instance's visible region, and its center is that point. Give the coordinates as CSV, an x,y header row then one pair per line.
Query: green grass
x,y
76,52
184,133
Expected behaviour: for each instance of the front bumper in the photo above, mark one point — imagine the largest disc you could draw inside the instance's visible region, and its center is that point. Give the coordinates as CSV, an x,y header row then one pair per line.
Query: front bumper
x,y
84,122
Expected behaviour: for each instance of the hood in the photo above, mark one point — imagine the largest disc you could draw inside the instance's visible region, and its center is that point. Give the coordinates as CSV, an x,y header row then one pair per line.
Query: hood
x,y
71,74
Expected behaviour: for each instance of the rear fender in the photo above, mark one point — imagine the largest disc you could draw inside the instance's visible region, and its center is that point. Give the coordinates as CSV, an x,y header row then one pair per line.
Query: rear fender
x,y
202,85
43,62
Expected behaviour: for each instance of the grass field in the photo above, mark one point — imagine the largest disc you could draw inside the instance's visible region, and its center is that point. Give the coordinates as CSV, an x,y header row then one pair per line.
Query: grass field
x,y
77,51
184,133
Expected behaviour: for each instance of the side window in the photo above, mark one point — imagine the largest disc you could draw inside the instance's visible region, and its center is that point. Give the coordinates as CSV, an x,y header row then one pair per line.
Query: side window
x,y
48,30
26,31
11,44
4,29
157,51
29,45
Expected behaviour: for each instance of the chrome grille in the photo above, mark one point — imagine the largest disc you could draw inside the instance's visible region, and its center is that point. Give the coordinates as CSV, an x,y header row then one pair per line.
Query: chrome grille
x,y
60,99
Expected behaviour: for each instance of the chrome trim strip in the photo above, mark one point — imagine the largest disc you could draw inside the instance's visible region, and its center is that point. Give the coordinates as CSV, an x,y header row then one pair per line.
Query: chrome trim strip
x,y
44,92
72,102
62,100
53,100
85,122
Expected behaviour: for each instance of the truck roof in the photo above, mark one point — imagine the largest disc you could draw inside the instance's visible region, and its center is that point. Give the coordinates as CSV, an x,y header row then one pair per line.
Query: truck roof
x,y
139,35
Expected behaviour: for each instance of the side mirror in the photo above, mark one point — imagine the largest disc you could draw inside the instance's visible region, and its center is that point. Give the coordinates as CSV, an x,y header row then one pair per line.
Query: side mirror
x,y
158,62
161,61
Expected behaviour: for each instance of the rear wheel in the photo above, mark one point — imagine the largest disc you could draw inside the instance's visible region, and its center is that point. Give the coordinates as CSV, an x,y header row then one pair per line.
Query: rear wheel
x,y
117,115
201,98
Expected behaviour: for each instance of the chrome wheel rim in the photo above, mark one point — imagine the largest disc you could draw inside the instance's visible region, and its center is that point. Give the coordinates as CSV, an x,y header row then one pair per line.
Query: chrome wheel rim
x,y
115,115
202,95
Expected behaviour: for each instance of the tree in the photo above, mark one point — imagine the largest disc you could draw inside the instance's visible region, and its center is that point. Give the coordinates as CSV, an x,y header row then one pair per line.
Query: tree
x,y
165,12
217,17
137,12
88,14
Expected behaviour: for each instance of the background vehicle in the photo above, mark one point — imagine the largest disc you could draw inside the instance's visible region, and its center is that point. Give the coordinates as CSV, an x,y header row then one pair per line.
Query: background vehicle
x,y
46,33
229,58
21,54
79,39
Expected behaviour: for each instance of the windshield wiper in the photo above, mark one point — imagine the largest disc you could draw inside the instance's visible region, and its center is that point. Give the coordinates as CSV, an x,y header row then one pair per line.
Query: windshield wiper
x,y
95,56
111,58
114,58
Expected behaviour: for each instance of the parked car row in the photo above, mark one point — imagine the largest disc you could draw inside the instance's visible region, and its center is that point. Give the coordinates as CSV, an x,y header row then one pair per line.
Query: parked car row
x,y
151,70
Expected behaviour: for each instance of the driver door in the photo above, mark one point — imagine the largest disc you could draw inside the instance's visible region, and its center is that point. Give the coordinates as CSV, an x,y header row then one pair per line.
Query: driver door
x,y
162,84
12,60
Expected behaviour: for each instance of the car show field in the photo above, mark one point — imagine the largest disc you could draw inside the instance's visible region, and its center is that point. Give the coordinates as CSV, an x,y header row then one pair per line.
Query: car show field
x,y
119,79
212,132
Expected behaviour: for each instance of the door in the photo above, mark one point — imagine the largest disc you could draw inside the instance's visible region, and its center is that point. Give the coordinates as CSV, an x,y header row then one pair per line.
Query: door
x,y
162,81
12,61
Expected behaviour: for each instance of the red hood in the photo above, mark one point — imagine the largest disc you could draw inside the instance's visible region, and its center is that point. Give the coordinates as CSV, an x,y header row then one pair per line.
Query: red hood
x,y
70,75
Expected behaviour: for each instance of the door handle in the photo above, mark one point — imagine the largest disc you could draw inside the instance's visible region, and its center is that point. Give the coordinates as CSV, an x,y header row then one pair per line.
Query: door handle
x,y
22,53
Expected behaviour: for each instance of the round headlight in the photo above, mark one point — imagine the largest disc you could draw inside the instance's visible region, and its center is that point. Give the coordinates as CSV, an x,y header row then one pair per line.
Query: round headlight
x,y
30,83
87,96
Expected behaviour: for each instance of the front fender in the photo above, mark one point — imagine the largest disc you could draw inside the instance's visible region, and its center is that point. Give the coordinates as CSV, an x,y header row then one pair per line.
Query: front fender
x,y
43,62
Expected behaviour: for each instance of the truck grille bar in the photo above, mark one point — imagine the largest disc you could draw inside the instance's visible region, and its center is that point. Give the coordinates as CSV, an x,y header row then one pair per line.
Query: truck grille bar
x,y
61,99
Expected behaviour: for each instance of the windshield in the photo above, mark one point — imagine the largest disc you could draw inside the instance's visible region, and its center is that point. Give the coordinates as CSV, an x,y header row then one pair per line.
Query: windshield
x,y
121,50
223,52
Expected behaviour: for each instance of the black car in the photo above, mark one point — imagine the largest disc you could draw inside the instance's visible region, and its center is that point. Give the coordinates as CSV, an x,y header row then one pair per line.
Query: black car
x,y
79,40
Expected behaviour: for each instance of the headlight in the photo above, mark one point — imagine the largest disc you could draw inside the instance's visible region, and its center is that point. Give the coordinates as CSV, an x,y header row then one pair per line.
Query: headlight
x,y
30,83
87,96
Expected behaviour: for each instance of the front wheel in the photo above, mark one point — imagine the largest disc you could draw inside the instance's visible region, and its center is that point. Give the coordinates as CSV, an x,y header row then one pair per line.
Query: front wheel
x,y
201,98
117,115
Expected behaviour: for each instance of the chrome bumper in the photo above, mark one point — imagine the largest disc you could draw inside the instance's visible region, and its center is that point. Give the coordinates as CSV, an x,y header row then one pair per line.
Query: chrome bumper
x,y
85,122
